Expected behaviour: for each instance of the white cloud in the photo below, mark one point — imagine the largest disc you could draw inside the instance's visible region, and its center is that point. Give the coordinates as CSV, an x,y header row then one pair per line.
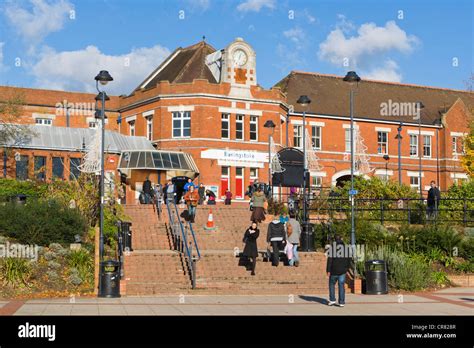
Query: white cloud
x,y
44,18
370,41
75,70
297,35
255,5
2,66
309,17
388,72
201,5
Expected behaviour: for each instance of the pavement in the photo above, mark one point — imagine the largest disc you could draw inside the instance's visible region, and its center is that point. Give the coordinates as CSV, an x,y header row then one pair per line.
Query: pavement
x,y
452,301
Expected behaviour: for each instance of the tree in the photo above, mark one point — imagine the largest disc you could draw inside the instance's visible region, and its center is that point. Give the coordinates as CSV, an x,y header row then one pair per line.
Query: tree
x,y
10,111
467,159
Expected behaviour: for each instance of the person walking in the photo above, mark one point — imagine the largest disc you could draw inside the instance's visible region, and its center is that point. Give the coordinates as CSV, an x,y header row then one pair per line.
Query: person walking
x,y
276,237
258,203
434,196
293,230
336,268
202,194
228,197
158,196
188,185
170,191
250,249
147,190
191,198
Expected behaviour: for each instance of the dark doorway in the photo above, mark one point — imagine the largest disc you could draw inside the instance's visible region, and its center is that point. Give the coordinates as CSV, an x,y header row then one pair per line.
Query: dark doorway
x,y
341,181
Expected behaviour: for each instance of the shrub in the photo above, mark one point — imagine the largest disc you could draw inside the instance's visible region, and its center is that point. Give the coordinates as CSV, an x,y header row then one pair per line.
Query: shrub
x,y
440,278
41,222
15,271
82,261
12,187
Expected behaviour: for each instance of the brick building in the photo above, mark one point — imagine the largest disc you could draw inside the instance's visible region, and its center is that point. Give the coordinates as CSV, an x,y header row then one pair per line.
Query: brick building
x,y
204,112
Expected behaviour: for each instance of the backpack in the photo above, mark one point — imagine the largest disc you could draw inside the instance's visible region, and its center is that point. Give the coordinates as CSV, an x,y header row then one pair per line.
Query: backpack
x,y
289,229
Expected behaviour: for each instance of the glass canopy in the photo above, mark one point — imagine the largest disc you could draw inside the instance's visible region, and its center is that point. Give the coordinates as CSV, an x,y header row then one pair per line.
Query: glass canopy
x,y
157,160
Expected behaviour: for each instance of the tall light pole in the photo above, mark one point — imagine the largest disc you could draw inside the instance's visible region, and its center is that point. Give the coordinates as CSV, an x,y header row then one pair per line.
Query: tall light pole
x,y
103,78
304,101
271,126
386,158
353,79
419,107
399,138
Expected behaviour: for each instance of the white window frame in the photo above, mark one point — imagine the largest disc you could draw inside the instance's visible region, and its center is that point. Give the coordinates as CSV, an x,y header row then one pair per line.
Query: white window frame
x,y
92,124
131,125
44,122
347,139
318,178
298,134
256,173
380,143
315,136
182,116
149,127
241,122
253,121
225,118
417,185
413,144
430,145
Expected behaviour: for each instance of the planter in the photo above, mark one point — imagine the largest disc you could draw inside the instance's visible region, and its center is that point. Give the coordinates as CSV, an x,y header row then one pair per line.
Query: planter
x,y
466,280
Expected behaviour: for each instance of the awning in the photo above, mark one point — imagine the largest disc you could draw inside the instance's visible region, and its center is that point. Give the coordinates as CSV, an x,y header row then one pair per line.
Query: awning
x,y
158,160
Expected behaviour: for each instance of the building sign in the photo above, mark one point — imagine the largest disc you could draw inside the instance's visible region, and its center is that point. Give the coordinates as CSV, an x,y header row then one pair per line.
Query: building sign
x,y
236,157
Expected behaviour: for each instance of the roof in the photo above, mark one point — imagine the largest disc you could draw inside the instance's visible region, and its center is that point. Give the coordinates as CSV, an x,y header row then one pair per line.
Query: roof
x,y
157,160
183,65
330,96
73,139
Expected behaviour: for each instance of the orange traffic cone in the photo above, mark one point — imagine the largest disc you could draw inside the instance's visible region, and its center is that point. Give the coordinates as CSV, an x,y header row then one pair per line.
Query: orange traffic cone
x,y
210,221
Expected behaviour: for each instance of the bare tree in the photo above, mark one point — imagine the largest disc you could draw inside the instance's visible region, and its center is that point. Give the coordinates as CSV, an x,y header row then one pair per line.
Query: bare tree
x,y
11,132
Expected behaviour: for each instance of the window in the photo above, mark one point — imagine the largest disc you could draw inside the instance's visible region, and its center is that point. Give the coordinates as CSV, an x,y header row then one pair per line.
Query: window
x,y
415,182
22,168
74,171
316,182
297,136
149,128
132,128
382,142
40,167
182,124
253,173
316,137
58,167
44,121
413,145
93,124
426,145
225,171
457,145
347,135
239,171
253,128
239,127
225,126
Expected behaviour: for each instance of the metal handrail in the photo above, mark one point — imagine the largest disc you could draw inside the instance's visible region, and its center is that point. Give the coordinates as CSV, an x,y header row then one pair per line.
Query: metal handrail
x,y
188,253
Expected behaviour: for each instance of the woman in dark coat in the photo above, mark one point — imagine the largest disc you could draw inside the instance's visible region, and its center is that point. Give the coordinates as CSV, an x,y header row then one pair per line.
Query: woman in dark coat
x,y
250,249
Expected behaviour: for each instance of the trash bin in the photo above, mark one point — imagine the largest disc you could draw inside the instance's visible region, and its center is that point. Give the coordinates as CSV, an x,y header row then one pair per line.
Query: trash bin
x,y
376,277
307,237
20,199
109,279
127,235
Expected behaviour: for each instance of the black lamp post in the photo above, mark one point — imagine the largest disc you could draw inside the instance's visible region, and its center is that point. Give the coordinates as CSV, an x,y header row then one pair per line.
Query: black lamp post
x,y
399,138
307,242
386,158
270,125
419,107
103,78
353,79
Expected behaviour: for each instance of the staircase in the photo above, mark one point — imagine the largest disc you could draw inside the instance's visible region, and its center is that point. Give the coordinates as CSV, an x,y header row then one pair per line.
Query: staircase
x,y
154,268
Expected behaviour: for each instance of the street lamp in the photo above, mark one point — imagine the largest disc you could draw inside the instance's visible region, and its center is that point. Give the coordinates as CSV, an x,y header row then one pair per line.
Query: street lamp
x,y
270,125
386,158
353,79
419,107
103,78
399,138
304,101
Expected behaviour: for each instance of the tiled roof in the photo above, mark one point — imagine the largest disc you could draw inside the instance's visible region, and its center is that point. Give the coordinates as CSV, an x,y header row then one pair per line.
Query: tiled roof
x,y
329,95
183,65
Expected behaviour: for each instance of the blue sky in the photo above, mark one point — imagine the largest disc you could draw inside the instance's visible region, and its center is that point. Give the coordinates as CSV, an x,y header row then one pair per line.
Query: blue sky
x,y
61,44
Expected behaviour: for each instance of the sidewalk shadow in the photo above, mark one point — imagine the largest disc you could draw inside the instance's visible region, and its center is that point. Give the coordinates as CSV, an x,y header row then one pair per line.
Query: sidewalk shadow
x,y
467,299
314,299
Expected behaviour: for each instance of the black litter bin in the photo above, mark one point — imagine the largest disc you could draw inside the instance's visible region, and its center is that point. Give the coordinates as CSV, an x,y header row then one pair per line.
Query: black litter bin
x,y
127,235
376,277
109,279
20,199
307,237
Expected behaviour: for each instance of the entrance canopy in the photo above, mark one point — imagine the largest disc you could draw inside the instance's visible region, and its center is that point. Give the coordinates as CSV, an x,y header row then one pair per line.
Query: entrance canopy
x,y
173,162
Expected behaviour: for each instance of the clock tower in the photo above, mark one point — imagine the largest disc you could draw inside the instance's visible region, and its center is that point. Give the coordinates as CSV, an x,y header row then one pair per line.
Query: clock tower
x,y
238,68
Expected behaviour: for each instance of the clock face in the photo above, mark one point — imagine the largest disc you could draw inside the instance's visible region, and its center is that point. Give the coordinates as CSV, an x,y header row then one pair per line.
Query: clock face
x,y
240,57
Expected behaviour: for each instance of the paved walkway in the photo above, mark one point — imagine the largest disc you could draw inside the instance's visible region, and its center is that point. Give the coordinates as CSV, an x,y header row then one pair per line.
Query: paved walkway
x,y
453,301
